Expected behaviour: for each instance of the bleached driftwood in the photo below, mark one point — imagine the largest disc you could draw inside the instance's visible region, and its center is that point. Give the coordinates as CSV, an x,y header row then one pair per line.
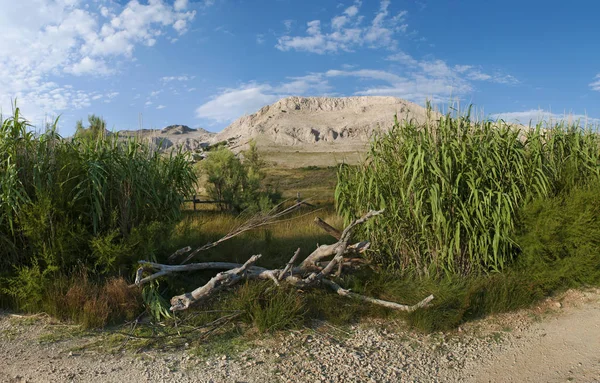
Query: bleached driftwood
x,y
313,271
218,282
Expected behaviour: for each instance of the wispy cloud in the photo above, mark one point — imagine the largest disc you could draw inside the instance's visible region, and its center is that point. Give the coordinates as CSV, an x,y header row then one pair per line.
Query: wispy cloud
x,y
160,107
348,31
177,78
535,116
72,38
232,103
418,80
595,85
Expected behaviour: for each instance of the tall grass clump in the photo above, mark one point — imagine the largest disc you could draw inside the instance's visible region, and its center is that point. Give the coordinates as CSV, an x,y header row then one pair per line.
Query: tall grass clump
x,y
93,201
453,189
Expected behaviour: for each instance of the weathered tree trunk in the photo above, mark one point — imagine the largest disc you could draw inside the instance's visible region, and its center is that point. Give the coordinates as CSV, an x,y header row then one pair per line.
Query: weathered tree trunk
x,y
312,272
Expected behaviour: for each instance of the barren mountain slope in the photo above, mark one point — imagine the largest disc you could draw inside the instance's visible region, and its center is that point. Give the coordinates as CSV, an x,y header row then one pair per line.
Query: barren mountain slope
x,y
320,123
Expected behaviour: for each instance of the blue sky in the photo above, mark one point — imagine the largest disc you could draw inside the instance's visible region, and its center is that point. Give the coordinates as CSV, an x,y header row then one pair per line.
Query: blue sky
x,y
204,63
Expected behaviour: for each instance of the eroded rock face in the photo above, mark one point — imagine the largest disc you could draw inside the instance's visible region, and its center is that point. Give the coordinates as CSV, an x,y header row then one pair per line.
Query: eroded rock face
x,y
321,121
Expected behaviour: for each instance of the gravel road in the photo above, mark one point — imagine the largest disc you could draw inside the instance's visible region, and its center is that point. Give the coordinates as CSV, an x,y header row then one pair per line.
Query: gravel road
x,y
558,341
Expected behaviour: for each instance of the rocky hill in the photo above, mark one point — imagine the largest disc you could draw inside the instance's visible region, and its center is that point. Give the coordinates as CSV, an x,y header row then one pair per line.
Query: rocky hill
x,y
297,125
173,136
320,123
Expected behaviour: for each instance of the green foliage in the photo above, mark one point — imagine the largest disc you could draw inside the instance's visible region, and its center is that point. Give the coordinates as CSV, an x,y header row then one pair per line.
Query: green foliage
x,y
95,131
268,309
452,190
560,238
102,203
236,183
156,305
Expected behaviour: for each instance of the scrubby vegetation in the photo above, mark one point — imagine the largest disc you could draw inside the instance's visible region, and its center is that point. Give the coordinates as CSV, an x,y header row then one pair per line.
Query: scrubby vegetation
x,y
486,217
235,182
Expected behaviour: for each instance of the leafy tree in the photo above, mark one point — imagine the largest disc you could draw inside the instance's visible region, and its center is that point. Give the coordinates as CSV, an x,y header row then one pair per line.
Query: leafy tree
x,y
237,183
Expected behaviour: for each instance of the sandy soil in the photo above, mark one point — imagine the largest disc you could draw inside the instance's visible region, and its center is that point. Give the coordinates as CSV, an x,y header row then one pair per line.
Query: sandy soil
x,y
558,341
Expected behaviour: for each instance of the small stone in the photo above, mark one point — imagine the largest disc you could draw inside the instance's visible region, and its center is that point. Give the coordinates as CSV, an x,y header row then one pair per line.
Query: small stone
x,y
558,304
224,357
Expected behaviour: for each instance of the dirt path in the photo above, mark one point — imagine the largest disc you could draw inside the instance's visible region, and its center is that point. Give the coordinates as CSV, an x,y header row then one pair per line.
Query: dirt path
x,y
562,348
555,342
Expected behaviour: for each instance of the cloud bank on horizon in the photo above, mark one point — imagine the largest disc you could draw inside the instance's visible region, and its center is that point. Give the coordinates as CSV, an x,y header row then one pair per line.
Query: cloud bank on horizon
x,y
152,63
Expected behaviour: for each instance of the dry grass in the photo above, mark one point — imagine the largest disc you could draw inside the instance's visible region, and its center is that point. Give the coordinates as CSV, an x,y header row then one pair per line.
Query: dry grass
x,y
96,305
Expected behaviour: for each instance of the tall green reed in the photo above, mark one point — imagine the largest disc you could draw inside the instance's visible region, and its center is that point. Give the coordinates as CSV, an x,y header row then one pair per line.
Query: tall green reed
x,y
452,189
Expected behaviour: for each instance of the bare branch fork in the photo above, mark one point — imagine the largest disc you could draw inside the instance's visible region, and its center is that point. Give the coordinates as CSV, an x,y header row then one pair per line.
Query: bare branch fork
x,y
311,272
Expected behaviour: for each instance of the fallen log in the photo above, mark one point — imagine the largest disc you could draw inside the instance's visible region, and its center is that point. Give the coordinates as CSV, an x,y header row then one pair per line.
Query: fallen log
x,y
312,272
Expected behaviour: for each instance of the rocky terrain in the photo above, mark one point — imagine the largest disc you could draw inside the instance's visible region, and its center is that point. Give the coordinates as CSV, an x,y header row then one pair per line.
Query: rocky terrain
x,y
557,341
321,123
173,136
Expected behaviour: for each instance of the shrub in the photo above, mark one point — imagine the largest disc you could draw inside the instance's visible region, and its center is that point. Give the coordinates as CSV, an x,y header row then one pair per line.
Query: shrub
x,y
237,183
94,201
452,189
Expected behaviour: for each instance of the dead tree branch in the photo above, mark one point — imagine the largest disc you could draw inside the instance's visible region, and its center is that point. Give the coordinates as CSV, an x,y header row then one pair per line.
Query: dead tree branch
x,y
335,233
218,282
255,222
390,305
313,271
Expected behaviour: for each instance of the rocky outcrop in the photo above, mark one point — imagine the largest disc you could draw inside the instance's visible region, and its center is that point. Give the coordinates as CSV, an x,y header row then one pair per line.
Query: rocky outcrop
x,y
328,122
173,136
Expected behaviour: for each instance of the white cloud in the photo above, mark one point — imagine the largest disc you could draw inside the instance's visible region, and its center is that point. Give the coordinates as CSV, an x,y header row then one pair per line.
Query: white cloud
x,y
260,39
110,96
160,107
148,103
288,25
89,65
419,80
180,5
70,37
167,79
535,116
351,11
232,103
348,32
595,85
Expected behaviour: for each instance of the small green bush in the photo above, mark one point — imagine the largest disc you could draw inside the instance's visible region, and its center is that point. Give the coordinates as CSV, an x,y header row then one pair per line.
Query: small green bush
x,y
236,182
268,309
